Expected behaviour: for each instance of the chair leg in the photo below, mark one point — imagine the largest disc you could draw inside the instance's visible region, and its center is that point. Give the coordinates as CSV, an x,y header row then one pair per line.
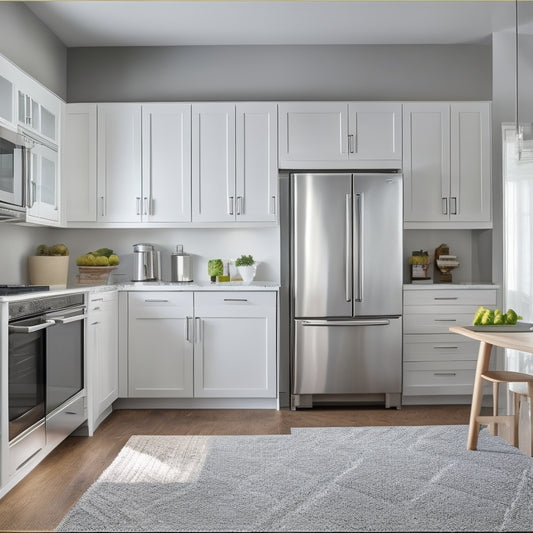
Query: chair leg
x,y
516,413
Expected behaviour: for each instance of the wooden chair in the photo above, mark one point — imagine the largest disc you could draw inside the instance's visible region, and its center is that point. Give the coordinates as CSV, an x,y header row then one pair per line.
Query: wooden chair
x,y
505,376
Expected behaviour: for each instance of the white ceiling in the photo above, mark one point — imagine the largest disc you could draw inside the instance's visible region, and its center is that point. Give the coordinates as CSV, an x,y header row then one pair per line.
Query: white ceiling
x,y
240,22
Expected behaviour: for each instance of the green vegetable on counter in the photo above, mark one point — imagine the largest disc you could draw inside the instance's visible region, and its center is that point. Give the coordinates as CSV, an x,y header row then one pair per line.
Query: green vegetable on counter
x,y
215,267
495,317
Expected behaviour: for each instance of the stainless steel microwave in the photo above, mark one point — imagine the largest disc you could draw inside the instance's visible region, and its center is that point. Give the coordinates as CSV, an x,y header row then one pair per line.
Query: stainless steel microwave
x,y
13,153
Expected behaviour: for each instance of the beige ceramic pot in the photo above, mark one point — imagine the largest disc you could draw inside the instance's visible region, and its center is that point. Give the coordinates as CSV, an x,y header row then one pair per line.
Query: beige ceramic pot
x,y
49,270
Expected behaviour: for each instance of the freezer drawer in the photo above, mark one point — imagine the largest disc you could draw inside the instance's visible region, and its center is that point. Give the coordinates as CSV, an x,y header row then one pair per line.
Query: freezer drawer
x,y
348,356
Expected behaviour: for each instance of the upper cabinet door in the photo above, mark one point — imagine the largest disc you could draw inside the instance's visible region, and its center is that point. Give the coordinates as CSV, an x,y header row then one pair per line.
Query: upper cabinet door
x,y
256,162
426,161
375,131
8,75
119,163
312,134
470,182
166,142
78,162
213,162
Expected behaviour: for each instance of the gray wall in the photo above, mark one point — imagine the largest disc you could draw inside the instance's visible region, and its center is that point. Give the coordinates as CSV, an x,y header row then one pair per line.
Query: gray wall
x,y
28,43
334,72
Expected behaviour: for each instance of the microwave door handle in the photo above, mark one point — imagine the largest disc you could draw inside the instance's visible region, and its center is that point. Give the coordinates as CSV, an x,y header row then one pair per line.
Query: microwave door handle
x,y
31,329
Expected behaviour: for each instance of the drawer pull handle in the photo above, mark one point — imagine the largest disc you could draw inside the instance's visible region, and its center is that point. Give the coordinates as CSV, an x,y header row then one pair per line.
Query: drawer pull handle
x,y
445,320
150,300
444,373
445,347
235,300
446,298
97,300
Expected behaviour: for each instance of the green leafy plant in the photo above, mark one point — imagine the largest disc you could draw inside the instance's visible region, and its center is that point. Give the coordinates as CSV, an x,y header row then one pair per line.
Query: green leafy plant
x,y
244,260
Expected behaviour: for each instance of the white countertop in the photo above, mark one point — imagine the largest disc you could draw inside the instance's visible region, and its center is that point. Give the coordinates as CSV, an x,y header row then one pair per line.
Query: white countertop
x,y
444,286
150,286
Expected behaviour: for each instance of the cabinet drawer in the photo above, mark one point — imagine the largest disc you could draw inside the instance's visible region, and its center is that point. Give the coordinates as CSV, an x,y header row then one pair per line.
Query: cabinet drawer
x,y
440,347
63,422
105,296
442,378
435,322
475,297
21,451
160,304
212,304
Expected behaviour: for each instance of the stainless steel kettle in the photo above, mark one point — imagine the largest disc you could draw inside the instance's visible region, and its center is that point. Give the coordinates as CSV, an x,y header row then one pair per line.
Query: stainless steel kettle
x,y
146,263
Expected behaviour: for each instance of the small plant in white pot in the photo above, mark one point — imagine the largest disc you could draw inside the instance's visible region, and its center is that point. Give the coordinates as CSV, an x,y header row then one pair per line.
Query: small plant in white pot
x,y
247,267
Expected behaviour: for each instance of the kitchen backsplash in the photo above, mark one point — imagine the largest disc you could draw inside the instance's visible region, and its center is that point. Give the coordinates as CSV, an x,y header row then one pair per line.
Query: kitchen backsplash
x,y
201,244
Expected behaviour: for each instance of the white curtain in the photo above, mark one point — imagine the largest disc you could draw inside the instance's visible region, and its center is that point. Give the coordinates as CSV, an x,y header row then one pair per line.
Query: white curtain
x,y
518,238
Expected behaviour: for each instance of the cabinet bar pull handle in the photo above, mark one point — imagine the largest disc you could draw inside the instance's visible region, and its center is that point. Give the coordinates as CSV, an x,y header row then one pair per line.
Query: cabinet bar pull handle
x,y
230,205
445,320
102,204
444,373
445,206
351,143
239,205
187,337
95,309
445,347
273,205
453,205
138,200
145,205
235,300
446,298
197,326
97,300
94,323
153,300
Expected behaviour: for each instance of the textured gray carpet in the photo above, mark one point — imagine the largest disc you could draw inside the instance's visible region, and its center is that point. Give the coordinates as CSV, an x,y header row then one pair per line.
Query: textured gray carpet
x,y
415,478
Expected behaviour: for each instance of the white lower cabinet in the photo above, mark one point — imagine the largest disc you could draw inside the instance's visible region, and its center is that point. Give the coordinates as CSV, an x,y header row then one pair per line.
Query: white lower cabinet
x,y
437,363
160,348
202,344
235,345
102,353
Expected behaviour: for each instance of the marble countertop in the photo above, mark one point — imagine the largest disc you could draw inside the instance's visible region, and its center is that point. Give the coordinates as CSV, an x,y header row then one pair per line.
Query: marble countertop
x,y
150,286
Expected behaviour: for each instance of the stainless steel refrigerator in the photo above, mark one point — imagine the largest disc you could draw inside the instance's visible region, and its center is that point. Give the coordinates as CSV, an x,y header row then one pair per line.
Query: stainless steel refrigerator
x,y
346,287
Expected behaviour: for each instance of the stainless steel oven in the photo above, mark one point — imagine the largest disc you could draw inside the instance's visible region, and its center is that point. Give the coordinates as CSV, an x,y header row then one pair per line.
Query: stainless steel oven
x,y
45,357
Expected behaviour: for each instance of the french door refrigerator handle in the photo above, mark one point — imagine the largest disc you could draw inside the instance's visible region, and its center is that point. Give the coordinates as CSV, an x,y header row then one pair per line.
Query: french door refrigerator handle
x,y
348,259
358,261
345,322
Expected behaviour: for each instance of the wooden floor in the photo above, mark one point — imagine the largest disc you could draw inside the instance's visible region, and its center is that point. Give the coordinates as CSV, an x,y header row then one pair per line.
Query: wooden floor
x,y
42,498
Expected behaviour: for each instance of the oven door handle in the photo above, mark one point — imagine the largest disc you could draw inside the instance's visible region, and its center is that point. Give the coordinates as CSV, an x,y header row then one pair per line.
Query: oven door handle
x,y
31,329
69,319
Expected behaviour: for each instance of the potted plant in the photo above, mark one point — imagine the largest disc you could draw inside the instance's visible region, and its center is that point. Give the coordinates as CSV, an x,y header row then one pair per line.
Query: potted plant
x,y
247,267
49,266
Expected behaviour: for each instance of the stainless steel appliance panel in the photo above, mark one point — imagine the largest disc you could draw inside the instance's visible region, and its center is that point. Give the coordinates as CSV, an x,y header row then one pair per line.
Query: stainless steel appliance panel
x,y
377,244
348,356
322,233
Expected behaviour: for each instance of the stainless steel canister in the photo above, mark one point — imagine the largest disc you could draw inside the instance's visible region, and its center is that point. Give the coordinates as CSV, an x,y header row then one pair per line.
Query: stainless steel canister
x,y
180,265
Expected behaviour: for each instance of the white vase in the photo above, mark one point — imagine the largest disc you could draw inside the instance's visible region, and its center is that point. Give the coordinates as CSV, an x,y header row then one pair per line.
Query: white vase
x,y
247,273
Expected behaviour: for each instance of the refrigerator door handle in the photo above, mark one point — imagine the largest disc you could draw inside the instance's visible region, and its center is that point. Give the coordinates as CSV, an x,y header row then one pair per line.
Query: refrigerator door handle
x,y
348,258
358,260
345,322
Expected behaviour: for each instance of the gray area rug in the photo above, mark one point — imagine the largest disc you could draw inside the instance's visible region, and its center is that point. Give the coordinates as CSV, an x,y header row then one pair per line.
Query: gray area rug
x,y
414,478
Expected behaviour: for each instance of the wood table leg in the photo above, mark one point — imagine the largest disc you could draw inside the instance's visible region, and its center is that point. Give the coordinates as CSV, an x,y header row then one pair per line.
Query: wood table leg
x,y
482,365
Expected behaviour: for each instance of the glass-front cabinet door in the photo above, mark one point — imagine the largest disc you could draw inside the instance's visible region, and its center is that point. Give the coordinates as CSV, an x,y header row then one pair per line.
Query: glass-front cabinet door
x,y
43,194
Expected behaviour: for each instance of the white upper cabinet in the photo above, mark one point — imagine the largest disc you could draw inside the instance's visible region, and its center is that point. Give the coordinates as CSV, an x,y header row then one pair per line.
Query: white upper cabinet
x,y
340,135
234,170
119,163
446,165
213,162
79,162
8,74
256,162
166,176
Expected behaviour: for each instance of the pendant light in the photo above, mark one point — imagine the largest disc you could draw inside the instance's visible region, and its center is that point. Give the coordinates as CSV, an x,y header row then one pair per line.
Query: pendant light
x,y
524,132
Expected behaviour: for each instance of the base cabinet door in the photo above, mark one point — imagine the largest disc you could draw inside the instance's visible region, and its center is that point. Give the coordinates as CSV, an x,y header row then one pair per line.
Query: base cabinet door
x,y
160,355
235,345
